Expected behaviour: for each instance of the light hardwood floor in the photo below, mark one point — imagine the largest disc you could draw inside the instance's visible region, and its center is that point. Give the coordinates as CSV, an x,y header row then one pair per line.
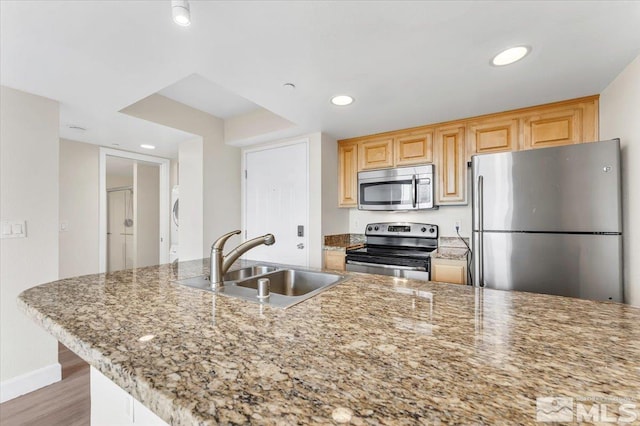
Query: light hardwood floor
x,y
67,402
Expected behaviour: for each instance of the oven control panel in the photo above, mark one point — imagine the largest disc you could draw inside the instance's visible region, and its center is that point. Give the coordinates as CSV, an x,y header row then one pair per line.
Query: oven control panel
x,y
402,229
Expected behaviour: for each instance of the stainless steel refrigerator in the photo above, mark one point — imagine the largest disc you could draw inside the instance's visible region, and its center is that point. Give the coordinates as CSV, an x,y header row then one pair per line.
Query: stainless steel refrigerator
x,y
549,221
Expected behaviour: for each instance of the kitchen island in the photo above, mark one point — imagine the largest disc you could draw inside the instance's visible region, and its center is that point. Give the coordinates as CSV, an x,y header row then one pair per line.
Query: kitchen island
x,y
371,350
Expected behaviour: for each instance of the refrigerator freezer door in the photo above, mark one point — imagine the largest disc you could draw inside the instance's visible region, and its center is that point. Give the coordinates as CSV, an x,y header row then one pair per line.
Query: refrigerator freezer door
x,y
575,265
573,188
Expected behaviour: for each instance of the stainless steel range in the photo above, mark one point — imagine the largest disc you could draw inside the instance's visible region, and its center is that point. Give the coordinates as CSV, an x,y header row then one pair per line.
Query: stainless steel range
x,y
399,249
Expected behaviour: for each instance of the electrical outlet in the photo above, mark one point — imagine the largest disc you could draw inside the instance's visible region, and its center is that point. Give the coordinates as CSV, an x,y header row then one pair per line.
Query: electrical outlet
x,y
458,227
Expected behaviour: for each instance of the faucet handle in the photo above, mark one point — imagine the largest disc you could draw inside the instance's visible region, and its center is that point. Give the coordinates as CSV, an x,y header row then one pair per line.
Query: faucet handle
x,y
219,243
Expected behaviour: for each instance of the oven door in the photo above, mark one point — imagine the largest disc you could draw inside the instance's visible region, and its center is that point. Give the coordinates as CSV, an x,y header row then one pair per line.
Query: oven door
x,y
396,189
412,272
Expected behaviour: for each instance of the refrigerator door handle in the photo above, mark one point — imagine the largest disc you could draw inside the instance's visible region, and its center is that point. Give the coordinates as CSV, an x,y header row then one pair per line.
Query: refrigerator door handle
x,y
480,253
414,190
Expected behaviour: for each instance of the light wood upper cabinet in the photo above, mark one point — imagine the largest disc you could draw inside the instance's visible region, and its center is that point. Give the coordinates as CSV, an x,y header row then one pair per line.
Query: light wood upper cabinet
x,y
561,125
450,165
450,145
375,154
485,136
413,148
348,174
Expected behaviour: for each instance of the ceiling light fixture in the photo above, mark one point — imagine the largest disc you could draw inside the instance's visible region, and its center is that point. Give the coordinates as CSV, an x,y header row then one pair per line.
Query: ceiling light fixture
x,y
510,55
342,100
181,12
147,146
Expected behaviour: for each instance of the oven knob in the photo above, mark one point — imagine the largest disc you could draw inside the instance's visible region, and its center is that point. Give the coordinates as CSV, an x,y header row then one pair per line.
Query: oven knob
x,y
423,229
376,228
369,228
432,230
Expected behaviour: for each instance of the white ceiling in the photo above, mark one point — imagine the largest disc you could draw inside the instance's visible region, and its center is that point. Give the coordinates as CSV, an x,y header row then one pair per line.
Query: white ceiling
x,y
406,63
199,93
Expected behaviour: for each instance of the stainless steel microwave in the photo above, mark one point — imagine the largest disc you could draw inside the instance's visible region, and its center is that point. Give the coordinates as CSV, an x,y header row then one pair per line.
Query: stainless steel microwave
x,y
403,188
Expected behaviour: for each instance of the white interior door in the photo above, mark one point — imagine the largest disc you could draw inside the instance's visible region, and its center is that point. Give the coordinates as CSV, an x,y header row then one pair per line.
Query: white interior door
x,y
276,202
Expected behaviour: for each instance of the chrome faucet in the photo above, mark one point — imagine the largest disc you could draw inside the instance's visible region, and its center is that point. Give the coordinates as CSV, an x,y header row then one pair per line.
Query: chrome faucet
x,y
220,263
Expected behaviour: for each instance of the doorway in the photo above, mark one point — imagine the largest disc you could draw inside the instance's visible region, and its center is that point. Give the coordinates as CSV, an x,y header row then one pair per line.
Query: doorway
x,y
277,200
134,210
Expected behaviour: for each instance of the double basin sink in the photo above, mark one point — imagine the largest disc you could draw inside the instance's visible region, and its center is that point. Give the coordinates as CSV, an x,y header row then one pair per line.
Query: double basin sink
x,y
287,286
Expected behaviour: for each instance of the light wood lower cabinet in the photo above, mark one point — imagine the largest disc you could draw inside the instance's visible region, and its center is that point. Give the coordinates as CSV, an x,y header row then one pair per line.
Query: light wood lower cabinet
x,y
348,175
334,259
451,169
449,271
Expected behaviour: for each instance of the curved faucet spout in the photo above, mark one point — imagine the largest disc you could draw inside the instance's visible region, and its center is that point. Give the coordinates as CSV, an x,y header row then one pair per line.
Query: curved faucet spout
x,y
220,264
219,243
233,255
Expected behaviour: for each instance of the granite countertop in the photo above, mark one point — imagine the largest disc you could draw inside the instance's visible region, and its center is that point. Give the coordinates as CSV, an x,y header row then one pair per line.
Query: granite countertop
x,y
342,242
374,349
452,248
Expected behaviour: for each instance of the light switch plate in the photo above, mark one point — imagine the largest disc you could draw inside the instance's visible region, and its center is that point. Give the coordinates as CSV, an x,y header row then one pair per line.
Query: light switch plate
x,y
14,229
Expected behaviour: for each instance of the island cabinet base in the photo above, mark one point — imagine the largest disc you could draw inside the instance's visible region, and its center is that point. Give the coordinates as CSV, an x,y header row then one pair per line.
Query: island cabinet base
x,y
111,405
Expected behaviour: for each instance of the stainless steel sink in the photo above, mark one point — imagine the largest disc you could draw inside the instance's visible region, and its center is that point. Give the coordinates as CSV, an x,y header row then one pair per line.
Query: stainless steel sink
x,y
244,273
288,286
291,282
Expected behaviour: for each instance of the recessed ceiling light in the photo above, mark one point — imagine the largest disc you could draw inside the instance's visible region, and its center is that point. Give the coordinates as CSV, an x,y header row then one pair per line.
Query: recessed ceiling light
x,y
342,100
510,55
147,146
181,12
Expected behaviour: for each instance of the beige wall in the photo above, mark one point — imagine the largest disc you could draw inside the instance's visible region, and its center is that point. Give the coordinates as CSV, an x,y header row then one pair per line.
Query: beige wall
x,y
221,163
254,127
191,221
116,181
79,183
620,118
28,191
146,213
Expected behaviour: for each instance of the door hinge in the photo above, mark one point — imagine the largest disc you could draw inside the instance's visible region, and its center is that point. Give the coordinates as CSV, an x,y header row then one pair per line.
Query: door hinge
x,y
245,174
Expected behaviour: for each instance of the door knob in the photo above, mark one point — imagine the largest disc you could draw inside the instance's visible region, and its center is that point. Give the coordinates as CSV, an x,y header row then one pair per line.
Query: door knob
x,y
300,246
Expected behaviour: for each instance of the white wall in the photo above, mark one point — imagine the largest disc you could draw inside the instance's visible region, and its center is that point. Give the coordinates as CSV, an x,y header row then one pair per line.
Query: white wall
x,y
79,184
28,191
146,214
221,163
445,217
190,220
620,118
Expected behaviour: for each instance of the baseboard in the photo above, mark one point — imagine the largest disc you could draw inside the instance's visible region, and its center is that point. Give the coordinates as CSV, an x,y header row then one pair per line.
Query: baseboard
x,y
30,381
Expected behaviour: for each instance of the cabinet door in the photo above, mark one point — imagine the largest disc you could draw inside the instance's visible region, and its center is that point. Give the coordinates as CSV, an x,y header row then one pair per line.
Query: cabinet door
x,y
415,148
376,154
334,260
454,273
348,175
450,165
492,136
553,128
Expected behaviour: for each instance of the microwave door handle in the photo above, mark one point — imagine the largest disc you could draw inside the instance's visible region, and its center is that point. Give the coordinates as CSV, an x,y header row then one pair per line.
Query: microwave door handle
x,y
414,190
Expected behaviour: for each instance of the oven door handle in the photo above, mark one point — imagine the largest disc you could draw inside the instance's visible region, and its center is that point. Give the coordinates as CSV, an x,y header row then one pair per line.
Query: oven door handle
x,y
377,265
414,190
